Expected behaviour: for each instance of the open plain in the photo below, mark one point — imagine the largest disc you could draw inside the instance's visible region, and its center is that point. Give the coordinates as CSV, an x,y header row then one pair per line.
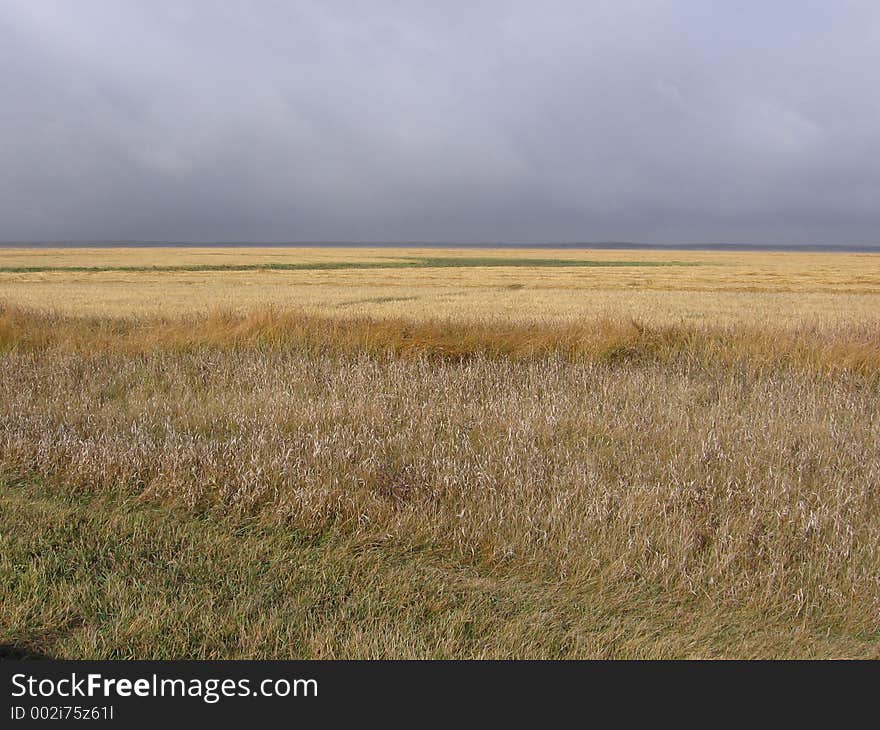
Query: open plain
x,y
347,453
654,287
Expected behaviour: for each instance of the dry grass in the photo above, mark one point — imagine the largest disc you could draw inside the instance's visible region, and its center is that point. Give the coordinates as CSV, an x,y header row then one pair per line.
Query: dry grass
x,y
599,489
848,350
792,290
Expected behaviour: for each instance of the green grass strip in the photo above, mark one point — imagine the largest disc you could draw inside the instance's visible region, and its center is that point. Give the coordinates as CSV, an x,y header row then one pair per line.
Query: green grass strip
x,y
419,263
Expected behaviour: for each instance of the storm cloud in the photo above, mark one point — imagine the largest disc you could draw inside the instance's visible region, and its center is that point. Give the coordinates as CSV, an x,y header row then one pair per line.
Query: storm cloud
x,y
651,120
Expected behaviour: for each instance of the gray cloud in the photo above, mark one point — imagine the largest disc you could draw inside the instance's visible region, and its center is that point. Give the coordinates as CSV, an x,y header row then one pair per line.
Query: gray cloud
x,y
649,120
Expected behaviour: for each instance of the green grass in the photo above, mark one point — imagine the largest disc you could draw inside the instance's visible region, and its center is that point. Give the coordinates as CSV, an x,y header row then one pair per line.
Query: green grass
x,y
415,263
110,576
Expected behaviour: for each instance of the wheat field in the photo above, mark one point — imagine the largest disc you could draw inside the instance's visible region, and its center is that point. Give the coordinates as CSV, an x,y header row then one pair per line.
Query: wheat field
x,y
654,287
251,471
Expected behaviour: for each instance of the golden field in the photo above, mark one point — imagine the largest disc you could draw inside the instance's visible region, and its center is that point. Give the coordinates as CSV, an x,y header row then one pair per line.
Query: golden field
x,y
663,287
549,461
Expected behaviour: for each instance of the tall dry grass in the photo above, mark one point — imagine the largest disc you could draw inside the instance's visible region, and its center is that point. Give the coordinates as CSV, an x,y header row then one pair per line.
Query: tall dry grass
x,y
847,349
738,466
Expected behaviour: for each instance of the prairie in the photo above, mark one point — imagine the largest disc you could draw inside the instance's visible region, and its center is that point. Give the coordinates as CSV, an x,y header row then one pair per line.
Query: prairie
x,y
187,479
665,287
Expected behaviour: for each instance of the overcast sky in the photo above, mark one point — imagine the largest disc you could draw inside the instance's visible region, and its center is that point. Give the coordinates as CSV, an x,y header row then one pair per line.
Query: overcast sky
x,y
651,120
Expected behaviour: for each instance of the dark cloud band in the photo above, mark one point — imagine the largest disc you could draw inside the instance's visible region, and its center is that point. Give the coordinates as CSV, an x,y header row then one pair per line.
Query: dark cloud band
x,y
489,121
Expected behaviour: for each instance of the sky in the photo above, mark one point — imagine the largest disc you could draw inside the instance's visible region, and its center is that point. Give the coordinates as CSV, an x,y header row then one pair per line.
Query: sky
x,y
663,121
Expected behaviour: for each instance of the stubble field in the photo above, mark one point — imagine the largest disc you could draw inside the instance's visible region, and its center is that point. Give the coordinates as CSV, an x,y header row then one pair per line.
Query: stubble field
x,y
423,453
